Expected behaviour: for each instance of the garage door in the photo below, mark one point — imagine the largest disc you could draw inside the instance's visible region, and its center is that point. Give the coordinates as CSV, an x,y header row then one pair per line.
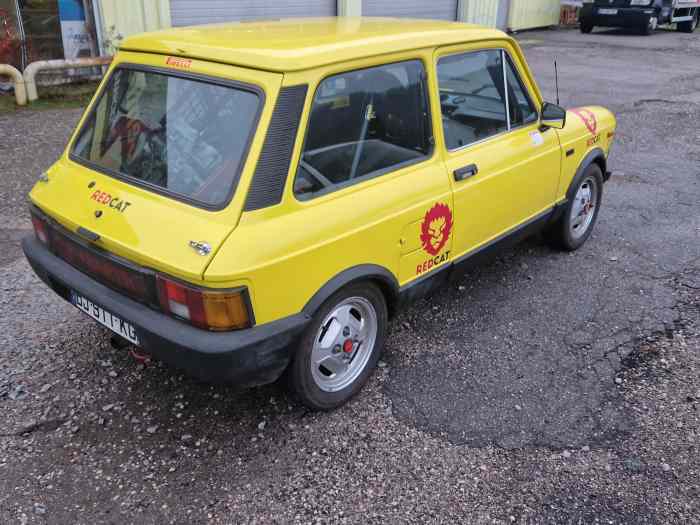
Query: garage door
x,y
442,9
192,12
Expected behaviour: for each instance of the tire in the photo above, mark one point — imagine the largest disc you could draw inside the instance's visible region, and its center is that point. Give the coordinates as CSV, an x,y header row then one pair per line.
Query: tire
x,y
586,27
689,27
326,370
576,223
651,26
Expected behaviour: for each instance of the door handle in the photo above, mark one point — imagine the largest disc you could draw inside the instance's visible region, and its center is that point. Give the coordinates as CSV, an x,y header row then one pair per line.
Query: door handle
x,y
466,172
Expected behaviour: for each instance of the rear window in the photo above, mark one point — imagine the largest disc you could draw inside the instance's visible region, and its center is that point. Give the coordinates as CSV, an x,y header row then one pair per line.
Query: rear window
x,y
180,135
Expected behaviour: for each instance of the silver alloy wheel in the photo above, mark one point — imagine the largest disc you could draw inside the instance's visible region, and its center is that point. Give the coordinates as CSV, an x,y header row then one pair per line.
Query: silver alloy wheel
x,y
344,344
583,208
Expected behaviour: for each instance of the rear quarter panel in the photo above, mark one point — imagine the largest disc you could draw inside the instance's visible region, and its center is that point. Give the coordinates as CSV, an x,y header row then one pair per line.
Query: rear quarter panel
x,y
287,252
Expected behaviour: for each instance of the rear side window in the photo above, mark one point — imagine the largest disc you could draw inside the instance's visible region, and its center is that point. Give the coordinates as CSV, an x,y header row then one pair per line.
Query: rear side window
x,y
179,135
364,123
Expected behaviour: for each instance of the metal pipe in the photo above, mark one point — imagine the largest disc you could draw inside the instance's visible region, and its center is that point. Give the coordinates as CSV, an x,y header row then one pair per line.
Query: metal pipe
x,y
33,68
16,76
99,28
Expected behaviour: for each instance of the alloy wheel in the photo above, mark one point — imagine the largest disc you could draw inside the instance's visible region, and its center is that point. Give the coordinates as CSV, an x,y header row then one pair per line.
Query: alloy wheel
x,y
344,344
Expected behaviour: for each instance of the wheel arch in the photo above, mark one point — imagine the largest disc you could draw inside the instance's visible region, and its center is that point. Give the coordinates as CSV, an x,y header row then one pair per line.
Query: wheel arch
x,y
378,275
595,156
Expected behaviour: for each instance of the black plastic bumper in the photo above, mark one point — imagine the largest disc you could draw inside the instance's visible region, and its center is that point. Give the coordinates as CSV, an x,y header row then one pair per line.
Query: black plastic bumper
x,y
625,17
249,357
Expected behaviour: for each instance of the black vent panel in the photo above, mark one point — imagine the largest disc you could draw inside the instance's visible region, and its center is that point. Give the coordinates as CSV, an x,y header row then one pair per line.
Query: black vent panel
x,y
273,165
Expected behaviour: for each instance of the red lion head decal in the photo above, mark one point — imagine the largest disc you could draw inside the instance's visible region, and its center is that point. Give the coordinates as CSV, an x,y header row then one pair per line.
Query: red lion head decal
x,y
588,118
436,228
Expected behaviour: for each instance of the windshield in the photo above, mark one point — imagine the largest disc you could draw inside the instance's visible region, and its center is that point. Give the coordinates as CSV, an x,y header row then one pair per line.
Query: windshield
x,y
179,135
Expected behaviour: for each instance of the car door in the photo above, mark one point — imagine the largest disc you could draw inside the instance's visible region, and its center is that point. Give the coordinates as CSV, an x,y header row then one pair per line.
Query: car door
x,y
504,169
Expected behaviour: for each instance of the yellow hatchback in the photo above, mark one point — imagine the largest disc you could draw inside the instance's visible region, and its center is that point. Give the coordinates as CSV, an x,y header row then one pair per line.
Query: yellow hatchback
x,y
249,200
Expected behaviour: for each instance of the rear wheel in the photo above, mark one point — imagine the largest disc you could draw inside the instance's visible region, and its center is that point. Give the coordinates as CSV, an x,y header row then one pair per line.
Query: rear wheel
x,y
691,25
340,348
575,225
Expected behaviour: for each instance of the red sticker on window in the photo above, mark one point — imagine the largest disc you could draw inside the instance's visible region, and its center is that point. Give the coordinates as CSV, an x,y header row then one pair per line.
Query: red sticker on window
x,y
182,63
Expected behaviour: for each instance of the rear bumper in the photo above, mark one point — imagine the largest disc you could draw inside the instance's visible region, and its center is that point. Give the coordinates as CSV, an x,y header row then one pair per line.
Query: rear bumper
x,y
249,357
625,17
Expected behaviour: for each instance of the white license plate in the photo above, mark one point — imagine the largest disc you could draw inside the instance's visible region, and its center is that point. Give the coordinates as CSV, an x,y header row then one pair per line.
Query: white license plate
x,y
607,11
102,316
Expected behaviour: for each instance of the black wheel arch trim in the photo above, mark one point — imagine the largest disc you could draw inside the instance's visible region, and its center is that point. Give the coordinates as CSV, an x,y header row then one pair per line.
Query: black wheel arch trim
x,y
596,155
363,272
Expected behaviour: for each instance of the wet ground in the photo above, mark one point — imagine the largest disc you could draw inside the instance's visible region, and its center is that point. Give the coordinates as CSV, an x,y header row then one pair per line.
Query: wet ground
x,y
541,388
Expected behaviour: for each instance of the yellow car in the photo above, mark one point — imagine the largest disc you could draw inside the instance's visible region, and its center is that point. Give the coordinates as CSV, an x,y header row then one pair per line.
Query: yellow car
x,y
247,200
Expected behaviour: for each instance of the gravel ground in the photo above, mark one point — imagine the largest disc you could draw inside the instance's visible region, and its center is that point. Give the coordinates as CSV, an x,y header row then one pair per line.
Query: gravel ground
x,y
541,388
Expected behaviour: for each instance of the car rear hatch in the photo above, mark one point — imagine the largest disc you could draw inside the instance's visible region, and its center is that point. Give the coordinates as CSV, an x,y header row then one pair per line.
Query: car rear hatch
x,y
153,174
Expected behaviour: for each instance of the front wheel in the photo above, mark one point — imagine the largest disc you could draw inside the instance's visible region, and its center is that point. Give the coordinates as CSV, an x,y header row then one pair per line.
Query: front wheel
x,y
586,27
651,25
691,25
340,348
573,228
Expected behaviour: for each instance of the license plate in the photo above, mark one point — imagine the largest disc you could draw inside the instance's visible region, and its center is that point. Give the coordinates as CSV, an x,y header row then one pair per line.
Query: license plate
x,y
102,316
607,11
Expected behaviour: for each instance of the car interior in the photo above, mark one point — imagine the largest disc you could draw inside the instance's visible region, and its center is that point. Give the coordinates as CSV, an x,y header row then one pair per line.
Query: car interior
x,y
362,123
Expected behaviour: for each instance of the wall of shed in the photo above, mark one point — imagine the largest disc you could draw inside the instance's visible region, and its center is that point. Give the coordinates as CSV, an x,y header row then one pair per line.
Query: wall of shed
x,y
528,14
483,12
121,18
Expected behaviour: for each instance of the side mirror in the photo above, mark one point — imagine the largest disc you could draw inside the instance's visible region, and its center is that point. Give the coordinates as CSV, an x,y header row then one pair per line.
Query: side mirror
x,y
553,116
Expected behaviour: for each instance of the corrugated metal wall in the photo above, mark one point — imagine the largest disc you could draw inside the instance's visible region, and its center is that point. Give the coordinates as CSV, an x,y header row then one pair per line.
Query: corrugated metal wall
x,y
484,12
192,12
441,9
127,17
526,14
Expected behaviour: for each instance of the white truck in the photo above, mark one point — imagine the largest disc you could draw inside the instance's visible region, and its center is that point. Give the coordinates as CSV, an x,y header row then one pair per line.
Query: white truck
x,y
645,15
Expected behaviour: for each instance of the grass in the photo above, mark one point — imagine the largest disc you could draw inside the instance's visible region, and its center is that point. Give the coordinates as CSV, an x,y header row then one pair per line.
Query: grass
x,y
53,97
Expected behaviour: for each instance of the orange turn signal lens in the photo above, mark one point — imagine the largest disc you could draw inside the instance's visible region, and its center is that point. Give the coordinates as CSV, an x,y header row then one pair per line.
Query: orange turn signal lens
x,y
225,310
205,308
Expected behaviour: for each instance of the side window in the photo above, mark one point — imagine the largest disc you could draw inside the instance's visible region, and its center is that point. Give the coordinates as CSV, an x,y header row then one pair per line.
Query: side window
x,y
472,96
363,124
522,111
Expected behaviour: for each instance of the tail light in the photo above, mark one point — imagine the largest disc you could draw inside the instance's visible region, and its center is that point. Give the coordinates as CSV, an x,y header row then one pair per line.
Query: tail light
x,y
41,230
208,309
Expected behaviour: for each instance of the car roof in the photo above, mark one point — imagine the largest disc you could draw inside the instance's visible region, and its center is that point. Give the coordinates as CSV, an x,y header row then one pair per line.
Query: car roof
x,y
305,43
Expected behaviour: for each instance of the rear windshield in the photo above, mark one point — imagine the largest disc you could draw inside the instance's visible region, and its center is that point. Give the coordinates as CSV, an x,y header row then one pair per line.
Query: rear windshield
x,y
178,135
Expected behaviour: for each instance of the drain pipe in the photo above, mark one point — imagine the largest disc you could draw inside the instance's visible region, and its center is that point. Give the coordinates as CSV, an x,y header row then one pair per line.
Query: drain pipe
x,y
16,76
43,65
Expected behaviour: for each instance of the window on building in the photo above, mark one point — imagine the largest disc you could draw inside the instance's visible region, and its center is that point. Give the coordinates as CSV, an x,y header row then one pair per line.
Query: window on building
x,y
363,124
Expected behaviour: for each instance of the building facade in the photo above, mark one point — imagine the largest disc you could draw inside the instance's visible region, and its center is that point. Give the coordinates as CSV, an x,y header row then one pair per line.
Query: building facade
x,y
120,18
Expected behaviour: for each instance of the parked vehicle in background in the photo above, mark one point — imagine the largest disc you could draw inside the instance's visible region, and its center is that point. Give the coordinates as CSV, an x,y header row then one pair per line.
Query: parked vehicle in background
x,y
644,15
242,207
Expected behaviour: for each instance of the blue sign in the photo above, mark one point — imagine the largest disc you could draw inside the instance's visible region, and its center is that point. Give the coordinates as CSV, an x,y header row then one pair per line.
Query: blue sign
x,y
71,10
